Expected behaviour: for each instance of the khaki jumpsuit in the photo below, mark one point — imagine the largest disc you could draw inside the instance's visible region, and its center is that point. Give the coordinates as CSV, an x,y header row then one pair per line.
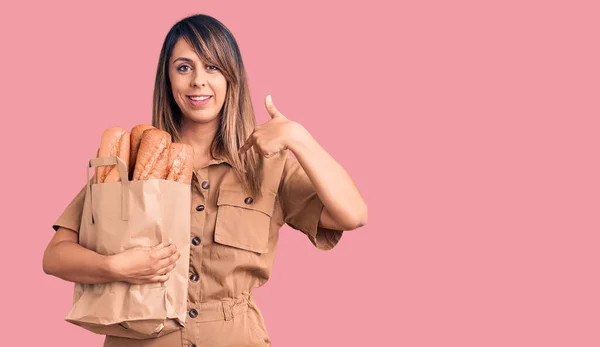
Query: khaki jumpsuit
x,y
224,270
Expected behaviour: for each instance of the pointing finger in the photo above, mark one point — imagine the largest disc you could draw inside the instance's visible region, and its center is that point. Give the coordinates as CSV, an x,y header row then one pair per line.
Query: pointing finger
x,y
246,146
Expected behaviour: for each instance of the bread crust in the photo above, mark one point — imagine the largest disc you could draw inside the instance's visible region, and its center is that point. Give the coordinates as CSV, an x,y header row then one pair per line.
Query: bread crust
x,y
181,163
115,141
136,138
153,155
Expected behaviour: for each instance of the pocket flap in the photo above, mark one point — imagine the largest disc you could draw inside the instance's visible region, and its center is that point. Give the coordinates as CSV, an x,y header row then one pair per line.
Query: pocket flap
x,y
242,221
238,198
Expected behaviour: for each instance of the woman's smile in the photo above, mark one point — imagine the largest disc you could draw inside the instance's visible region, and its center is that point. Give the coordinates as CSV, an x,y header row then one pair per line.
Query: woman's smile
x,y
197,101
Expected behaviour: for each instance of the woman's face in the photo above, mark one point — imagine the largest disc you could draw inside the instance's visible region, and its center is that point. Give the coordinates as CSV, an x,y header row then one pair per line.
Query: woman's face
x,y
198,89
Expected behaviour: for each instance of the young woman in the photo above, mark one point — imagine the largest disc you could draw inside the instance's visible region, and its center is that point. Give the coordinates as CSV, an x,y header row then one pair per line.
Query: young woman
x,y
246,185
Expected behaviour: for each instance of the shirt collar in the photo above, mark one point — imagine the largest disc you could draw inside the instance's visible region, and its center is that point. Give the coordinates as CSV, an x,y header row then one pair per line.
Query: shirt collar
x,y
210,163
217,162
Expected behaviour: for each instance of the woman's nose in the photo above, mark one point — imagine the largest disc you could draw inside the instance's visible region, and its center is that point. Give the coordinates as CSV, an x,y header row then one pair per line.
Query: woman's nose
x,y
198,80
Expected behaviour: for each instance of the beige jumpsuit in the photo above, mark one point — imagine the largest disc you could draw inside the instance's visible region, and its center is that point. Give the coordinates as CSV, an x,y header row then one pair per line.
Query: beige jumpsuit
x,y
225,270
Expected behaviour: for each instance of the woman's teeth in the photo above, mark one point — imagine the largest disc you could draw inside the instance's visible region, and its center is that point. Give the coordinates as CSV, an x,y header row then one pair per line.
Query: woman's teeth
x,y
198,98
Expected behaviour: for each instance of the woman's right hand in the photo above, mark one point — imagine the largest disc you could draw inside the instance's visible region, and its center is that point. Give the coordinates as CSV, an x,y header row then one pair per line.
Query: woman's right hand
x,y
143,264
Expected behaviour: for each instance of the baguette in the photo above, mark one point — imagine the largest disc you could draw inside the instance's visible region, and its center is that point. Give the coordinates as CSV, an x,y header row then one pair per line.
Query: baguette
x,y
136,138
153,155
181,163
115,141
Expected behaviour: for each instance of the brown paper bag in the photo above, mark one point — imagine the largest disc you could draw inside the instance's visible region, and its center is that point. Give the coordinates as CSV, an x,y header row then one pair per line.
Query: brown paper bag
x,y
122,215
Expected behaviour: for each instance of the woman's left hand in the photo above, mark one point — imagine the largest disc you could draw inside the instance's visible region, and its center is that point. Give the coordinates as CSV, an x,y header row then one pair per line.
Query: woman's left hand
x,y
275,135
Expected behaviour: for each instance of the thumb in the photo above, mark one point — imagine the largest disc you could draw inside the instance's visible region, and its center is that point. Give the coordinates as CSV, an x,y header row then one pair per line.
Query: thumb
x,y
273,112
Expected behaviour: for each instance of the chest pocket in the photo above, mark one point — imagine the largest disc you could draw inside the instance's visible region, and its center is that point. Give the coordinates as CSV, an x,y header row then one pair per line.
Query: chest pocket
x,y
242,221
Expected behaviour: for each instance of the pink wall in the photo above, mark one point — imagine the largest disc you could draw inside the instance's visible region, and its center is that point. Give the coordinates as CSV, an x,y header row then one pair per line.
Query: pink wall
x,y
471,129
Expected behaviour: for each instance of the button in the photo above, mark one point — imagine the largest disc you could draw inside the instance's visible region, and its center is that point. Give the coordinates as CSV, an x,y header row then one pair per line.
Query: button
x,y
200,208
194,277
193,313
205,185
196,241
248,200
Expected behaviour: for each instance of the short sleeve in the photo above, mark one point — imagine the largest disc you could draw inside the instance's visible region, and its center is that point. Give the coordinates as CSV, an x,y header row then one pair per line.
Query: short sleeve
x,y
302,206
71,216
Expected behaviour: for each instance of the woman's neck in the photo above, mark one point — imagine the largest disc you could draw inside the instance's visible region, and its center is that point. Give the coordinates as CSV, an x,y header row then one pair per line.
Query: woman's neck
x,y
200,137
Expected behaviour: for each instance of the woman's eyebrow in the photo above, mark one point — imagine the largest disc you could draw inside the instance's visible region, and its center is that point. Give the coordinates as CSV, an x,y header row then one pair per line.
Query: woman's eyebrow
x,y
184,59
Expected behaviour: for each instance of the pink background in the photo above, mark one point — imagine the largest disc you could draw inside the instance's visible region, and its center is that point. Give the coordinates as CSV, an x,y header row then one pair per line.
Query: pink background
x,y
471,128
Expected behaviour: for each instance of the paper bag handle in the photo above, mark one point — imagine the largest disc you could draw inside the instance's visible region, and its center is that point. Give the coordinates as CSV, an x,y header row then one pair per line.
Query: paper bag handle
x,y
106,161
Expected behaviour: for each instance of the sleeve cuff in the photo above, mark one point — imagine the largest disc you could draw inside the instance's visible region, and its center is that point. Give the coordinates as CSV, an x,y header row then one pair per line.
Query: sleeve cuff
x,y
72,215
65,224
322,238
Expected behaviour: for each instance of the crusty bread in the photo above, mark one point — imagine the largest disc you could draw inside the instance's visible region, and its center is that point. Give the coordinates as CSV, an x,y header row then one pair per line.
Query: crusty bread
x,y
115,142
153,155
181,163
136,139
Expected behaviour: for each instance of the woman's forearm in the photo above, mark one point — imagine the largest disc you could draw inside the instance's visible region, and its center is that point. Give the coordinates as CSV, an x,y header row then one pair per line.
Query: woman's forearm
x,y
333,184
74,263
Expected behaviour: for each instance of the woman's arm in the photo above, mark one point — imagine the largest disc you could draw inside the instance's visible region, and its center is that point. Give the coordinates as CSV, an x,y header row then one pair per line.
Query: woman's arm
x,y
67,259
344,208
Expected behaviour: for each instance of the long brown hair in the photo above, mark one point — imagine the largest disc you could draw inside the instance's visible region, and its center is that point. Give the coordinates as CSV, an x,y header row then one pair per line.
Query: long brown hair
x,y
215,45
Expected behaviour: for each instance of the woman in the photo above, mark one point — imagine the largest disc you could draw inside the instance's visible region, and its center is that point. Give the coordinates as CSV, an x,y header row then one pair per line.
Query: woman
x,y
246,185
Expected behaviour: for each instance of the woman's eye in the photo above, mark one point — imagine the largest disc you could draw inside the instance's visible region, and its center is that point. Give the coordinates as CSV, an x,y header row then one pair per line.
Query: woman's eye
x,y
181,67
212,67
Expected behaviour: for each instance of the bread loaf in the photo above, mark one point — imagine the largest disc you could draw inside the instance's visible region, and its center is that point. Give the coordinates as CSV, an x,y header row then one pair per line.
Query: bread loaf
x,y
153,155
136,139
115,141
181,163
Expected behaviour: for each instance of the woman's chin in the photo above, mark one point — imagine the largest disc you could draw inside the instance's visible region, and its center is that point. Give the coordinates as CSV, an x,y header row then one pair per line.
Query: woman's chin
x,y
200,116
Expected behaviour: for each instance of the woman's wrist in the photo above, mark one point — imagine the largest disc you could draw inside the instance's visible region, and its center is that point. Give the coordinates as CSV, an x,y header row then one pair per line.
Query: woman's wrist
x,y
111,268
298,137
